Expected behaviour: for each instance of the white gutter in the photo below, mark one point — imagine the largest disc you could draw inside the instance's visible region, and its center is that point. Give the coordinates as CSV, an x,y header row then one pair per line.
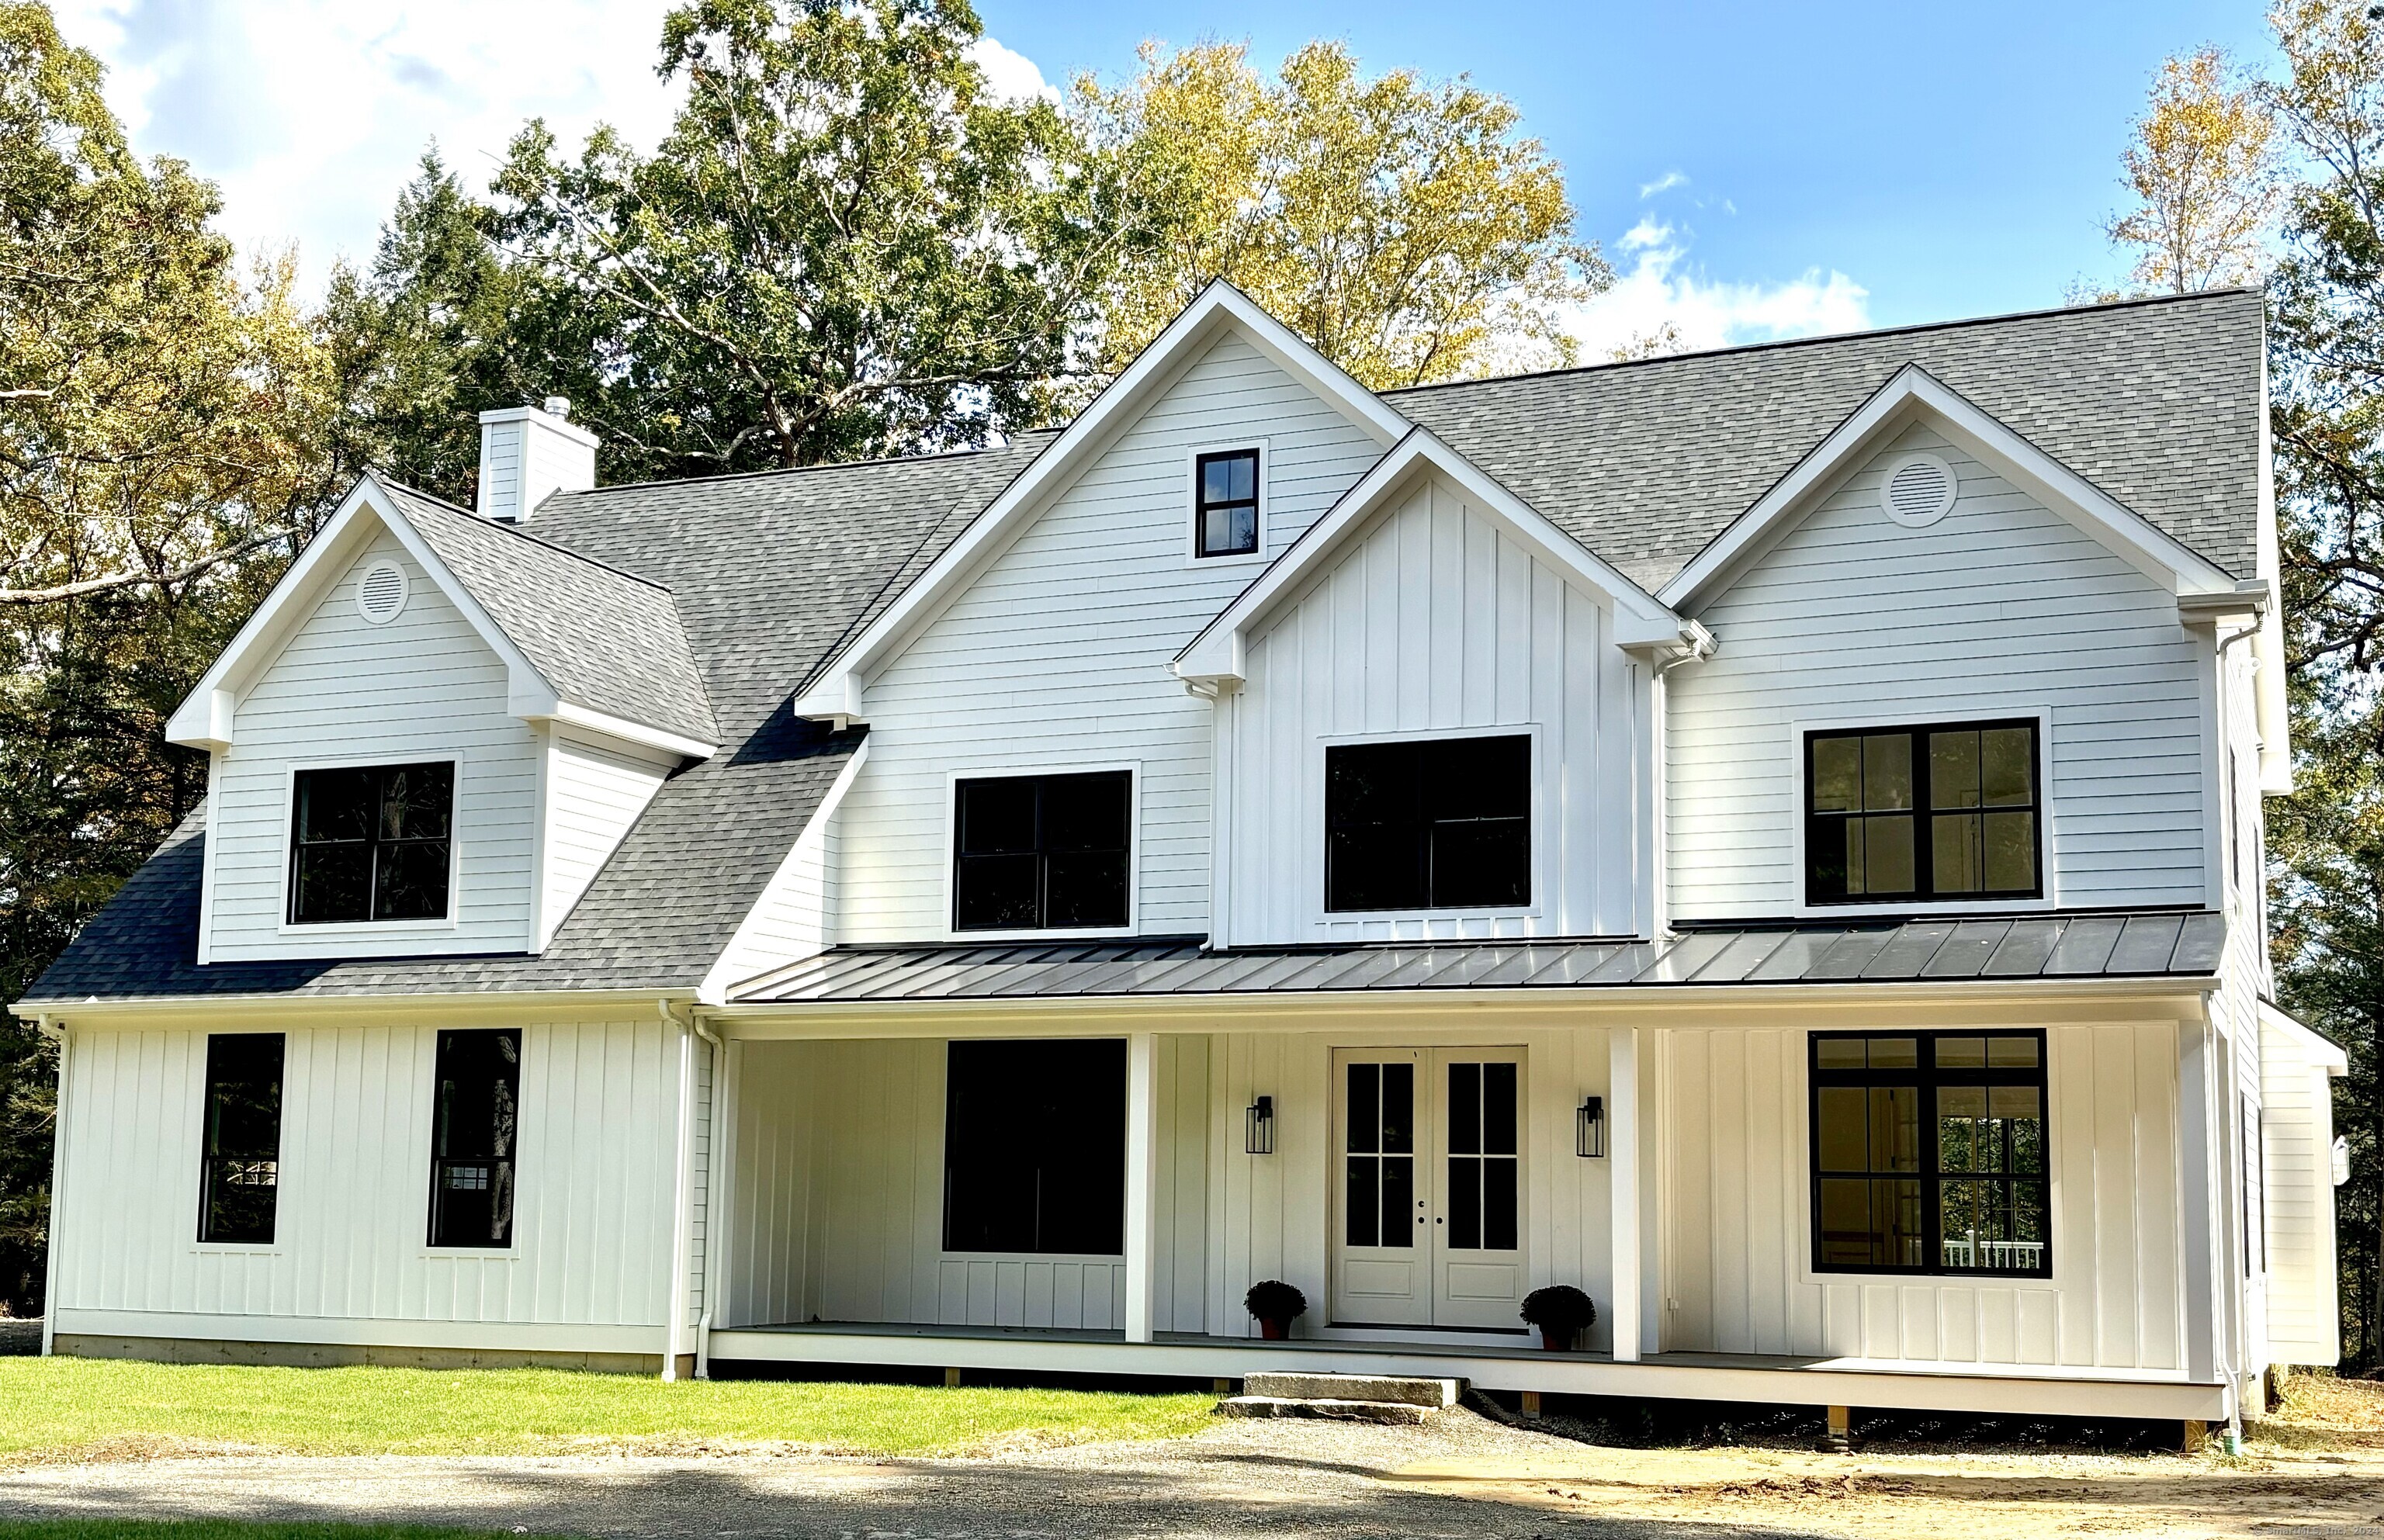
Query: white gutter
x,y
43,1025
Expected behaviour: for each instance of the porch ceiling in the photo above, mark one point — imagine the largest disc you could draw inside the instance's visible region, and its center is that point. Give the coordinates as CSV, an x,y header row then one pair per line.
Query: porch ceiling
x,y
2177,944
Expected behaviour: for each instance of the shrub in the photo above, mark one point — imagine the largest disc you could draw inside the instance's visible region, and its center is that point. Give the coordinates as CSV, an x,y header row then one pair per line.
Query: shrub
x,y
1559,1308
1275,1301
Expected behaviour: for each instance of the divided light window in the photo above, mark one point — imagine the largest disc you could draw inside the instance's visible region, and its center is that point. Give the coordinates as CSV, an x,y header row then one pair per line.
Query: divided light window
x,y
370,843
1923,813
476,1114
239,1181
1928,1153
1035,1147
1042,851
1226,496
1435,824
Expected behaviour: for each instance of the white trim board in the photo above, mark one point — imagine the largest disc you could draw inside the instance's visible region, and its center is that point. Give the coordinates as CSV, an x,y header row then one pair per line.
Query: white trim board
x,y
836,693
2203,590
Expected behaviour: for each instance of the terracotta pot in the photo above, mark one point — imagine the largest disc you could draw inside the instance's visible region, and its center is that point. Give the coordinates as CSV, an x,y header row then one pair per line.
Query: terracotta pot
x,y
1274,1331
1557,1339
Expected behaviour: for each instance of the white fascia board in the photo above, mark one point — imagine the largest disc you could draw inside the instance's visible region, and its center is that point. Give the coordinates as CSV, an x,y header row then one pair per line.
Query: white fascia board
x,y
1912,391
1214,658
836,694
714,989
622,729
2317,1049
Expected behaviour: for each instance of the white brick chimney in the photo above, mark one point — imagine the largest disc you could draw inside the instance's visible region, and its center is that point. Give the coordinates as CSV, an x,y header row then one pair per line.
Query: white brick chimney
x,y
527,451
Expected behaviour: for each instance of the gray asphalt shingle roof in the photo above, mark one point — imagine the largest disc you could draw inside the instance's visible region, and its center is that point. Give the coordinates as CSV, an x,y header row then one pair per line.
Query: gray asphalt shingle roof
x,y
2157,403
2182,945
605,640
714,600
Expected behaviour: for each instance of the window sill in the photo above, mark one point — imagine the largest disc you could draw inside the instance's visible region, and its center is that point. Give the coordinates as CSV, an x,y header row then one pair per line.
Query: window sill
x,y
1248,558
470,1253
1111,933
236,1249
1860,1274
1087,1258
1407,917
358,928
1931,908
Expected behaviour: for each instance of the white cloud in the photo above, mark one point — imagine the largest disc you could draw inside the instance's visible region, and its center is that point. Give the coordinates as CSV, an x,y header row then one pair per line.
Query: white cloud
x,y
311,114
1662,286
1011,74
1664,183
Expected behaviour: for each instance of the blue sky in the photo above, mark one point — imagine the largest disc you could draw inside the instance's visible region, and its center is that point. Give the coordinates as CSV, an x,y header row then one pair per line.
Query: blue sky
x,y
1753,170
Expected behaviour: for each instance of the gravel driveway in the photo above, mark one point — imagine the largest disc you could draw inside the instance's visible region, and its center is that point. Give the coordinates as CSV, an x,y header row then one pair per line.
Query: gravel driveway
x,y
1235,1479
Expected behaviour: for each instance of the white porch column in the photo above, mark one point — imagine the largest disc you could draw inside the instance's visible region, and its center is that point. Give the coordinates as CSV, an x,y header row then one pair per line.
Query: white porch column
x,y
1623,1174
682,1225
1141,1183
2197,1148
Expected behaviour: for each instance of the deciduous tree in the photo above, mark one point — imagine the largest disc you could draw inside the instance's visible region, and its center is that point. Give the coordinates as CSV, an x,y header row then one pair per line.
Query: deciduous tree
x,y
2204,167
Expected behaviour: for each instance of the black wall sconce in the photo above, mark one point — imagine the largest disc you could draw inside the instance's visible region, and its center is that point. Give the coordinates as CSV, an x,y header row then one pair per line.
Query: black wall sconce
x,y
1257,1128
1589,1129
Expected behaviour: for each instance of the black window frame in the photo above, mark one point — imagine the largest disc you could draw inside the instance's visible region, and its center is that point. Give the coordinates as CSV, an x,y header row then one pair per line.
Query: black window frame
x,y
1013,1120
1422,826
1825,831
1202,507
1929,1078
967,862
375,842
256,1163
495,1160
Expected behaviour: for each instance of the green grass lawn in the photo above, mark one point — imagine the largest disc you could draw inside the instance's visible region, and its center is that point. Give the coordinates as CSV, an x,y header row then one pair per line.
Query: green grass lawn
x,y
226,1529
53,1408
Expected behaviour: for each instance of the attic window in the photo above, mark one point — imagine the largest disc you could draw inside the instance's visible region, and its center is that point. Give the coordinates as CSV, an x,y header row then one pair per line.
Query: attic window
x,y
380,593
1225,503
370,843
1919,491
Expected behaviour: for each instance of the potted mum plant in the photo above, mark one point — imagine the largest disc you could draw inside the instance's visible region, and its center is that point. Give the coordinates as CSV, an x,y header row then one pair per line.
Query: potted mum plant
x,y
1276,1305
1562,1313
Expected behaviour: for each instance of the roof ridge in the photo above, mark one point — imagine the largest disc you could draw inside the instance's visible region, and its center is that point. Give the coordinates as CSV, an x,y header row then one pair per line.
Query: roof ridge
x,y
461,511
825,466
2046,313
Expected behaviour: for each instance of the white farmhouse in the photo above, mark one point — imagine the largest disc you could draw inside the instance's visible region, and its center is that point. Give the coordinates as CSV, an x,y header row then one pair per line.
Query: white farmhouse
x,y
1769,837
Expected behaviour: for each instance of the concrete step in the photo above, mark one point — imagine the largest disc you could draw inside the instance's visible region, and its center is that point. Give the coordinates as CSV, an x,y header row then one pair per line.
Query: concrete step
x,y
1377,1390
1404,1413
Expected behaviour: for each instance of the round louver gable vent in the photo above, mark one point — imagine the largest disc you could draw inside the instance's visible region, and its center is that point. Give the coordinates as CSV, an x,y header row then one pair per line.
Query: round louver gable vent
x,y
380,593
1919,490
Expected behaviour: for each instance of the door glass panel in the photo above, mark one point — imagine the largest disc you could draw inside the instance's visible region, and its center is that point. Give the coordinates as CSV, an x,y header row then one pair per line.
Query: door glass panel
x,y
1379,1182
1499,1109
1465,1109
1482,1175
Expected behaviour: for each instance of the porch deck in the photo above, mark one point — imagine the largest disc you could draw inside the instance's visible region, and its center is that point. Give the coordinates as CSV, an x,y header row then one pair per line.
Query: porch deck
x,y
1790,1381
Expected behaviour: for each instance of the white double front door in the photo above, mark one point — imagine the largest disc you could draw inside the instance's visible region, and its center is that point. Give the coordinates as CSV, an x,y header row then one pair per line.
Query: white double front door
x,y
1427,1221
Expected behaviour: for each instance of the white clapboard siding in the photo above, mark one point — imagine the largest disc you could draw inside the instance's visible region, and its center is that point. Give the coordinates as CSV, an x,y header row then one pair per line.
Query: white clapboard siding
x,y
2002,607
1057,656
1273,1219
2303,1323
593,794
1737,1208
1437,621
592,1203
344,690
838,1199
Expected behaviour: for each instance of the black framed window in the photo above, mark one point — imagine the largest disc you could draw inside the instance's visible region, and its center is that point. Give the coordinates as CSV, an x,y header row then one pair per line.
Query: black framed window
x,y
1042,851
1928,1153
1441,823
370,843
1035,1147
1923,814
1225,503
475,1129
240,1183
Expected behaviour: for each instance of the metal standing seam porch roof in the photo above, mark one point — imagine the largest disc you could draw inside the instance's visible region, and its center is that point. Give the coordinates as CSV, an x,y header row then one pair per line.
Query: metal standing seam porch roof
x,y
2179,945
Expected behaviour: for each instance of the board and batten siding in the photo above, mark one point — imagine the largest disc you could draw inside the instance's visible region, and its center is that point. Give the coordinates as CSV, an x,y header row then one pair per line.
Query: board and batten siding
x,y
1736,1216
2002,608
350,1261
838,1204
1437,621
344,691
2304,1326
593,794
1056,658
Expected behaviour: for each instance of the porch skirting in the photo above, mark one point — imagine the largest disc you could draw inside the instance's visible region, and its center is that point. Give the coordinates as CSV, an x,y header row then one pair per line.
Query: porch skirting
x,y
2063,1392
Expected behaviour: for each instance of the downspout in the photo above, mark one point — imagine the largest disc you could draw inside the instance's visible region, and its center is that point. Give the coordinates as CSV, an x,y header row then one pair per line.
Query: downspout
x,y
682,1241
49,1029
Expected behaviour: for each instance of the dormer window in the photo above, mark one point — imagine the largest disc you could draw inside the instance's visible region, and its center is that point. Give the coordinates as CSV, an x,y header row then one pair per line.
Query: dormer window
x,y
1225,503
371,844
1932,814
